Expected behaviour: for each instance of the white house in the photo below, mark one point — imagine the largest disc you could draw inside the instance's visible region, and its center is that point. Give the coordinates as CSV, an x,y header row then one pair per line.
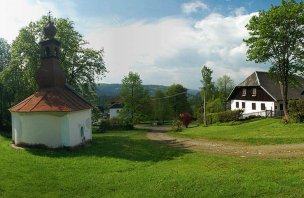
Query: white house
x,y
260,94
55,116
114,109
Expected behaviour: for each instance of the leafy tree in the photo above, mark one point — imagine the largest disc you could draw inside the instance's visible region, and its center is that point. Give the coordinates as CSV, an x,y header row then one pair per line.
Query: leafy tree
x,y
207,89
134,98
82,66
177,99
4,53
4,60
160,106
208,85
277,37
224,86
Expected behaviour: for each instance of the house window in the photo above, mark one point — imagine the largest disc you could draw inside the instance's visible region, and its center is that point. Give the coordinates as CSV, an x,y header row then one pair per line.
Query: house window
x,y
253,106
263,107
281,107
117,111
244,92
275,107
243,105
254,92
237,105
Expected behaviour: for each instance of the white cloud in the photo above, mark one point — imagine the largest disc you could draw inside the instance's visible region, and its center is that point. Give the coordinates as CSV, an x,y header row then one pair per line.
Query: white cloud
x,y
240,11
166,51
15,14
193,6
173,50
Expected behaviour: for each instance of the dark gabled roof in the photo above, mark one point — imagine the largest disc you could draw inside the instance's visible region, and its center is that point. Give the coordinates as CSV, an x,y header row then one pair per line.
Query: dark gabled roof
x,y
116,106
269,85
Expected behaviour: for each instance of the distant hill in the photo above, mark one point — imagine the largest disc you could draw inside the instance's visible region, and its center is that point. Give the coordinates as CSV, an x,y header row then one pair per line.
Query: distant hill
x,y
113,89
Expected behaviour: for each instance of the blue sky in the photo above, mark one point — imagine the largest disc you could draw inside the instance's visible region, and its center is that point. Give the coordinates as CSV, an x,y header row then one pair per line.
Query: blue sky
x,y
165,41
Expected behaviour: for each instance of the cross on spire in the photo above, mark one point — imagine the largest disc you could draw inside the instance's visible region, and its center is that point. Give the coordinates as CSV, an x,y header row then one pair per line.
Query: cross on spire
x,y
49,13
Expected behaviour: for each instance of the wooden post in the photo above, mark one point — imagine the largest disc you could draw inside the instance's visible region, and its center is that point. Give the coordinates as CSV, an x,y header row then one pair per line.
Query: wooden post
x,y
205,114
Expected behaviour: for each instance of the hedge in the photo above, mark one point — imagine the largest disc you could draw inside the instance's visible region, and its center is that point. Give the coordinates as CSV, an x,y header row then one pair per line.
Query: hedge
x,y
225,116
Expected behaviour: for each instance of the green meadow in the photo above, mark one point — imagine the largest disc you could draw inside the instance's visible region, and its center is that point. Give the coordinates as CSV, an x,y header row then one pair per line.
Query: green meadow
x,y
254,132
127,164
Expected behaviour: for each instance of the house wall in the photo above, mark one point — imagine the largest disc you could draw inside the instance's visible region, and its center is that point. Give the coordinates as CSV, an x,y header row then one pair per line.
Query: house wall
x,y
38,128
114,112
55,129
269,105
77,121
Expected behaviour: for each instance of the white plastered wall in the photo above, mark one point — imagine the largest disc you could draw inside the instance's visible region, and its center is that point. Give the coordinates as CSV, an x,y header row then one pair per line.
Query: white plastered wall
x,y
76,121
114,112
38,128
53,129
269,105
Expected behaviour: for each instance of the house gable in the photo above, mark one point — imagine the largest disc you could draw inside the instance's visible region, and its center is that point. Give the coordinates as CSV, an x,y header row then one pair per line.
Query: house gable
x,y
260,94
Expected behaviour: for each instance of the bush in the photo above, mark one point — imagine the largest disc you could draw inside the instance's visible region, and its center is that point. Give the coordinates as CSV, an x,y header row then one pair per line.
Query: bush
x,y
177,126
296,110
114,124
225,116
186,118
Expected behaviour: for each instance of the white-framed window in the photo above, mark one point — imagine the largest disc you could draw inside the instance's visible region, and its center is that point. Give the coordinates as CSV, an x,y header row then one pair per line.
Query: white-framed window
x,y
243,105
254,92
263,107
253,106
244,92
237,105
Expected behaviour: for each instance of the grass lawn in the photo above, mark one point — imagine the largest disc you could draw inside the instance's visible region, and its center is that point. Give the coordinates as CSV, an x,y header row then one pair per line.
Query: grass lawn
x,y
126,164
256,132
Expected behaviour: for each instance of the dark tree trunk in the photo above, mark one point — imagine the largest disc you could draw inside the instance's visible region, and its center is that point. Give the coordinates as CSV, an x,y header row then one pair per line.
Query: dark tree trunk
x,y
284,91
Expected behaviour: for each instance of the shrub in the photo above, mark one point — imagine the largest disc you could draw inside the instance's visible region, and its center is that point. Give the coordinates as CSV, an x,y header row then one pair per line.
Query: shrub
x,y
186,118
296,110
114,124
225,116
177,126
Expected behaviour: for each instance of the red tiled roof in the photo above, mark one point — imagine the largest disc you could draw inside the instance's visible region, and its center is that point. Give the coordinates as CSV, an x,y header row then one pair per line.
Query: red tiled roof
x,y
55,99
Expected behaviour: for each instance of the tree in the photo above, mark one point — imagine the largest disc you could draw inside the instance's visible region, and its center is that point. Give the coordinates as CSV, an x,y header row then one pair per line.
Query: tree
x,y
224,86
177,99
277,36
208,85
4,60
160,106
4,54
134,98
82,66
207,88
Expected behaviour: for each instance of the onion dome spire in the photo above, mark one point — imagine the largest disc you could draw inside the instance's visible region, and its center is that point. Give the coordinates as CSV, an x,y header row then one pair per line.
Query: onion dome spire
x,y
50,30
50,73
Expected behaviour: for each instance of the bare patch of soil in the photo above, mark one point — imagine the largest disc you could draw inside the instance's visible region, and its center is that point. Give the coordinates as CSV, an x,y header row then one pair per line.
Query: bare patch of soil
x,y
230,148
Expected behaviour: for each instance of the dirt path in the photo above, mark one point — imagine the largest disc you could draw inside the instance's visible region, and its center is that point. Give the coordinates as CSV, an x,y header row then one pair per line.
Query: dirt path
x,y
230,148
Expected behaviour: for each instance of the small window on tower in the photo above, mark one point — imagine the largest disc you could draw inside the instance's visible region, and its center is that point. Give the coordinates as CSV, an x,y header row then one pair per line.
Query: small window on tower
x,y
56,52
244,92
47,51
254,92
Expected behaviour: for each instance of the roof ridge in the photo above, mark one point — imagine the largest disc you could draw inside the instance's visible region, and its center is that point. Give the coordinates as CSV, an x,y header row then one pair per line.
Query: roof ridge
x,y
257,77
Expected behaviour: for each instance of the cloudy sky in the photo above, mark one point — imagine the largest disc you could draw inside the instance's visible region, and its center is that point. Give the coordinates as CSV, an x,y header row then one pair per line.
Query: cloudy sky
x,y
165,41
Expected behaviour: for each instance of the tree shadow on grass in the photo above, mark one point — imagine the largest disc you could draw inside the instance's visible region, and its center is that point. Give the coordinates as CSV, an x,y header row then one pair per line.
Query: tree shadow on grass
x,y
117,147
